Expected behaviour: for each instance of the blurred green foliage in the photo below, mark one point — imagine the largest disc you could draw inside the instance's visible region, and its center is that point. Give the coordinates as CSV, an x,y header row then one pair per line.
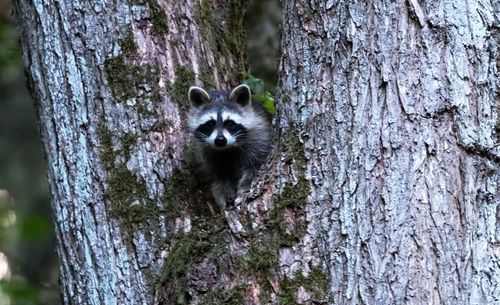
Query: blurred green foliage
x,y
34,227
26,231
262,27
20,292
259,93
10,59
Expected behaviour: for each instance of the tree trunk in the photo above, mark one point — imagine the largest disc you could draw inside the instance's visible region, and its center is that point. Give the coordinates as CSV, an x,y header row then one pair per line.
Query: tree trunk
x,y
110,81
382,187
394,106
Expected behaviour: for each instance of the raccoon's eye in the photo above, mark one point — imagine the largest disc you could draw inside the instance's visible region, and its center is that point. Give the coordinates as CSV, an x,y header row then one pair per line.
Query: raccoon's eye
x,y
210,123
229,123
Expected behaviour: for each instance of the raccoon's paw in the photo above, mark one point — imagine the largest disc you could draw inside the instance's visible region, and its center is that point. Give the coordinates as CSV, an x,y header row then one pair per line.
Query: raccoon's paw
x,y
243,185
223,194
244,181
223,201
239,195
220,201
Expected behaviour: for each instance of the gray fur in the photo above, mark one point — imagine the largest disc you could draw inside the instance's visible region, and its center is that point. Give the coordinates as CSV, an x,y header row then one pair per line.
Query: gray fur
x,y
230,168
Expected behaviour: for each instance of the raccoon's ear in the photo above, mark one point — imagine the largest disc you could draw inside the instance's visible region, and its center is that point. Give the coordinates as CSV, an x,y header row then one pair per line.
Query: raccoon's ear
x,y
241,95
198,96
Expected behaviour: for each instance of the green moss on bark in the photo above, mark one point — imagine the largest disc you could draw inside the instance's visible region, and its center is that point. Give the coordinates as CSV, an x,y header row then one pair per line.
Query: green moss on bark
x,y
206,76
106,145
127,44
184,78
285,225
185,250
236,40
315,283
292,198
128,141
292,147
226,35
120,78
128,199
157,15
125,194
188,250
260,258
222,296
158,18
130,81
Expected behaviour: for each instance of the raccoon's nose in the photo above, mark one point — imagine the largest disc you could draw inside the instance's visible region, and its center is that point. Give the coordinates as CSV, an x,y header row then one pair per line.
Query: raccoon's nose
x,y
220,141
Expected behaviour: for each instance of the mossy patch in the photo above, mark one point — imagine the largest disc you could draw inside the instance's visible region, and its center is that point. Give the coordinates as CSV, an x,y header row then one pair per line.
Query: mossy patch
x,y
261,262
123,186
204,15
128,198
285,227
293,196
120,77
106,145
184,192
128,81
184,195
220,296
205,240
293,200
260,259
128,141
177,192
127,44
138,85
125,194
206,76
225,37
158,17
316,283
285,224
184,78
185,249
292,147
234,37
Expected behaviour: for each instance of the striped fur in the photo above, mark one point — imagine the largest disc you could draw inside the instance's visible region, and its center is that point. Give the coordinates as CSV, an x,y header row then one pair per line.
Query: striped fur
x,y
231,138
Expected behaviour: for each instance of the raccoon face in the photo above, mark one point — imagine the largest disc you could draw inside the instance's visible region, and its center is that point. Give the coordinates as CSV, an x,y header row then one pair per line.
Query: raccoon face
x,y
218,119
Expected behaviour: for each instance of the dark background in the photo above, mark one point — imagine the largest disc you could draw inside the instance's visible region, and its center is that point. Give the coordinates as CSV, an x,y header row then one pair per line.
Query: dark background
x,y
28,262
26,231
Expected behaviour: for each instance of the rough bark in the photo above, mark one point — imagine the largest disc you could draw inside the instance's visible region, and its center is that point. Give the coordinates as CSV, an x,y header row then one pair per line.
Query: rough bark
x,y
382,187
109,79
395,105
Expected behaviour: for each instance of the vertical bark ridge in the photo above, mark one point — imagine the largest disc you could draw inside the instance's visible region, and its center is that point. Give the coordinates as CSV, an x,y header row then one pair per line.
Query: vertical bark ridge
x,y
396,109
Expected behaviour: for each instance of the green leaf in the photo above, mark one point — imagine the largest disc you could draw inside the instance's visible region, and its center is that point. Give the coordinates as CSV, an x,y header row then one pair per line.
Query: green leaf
x,y
260,95
269,103
254,83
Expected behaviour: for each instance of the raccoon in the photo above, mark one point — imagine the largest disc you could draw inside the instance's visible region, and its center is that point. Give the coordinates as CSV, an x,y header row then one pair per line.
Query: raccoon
x,y
231,138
